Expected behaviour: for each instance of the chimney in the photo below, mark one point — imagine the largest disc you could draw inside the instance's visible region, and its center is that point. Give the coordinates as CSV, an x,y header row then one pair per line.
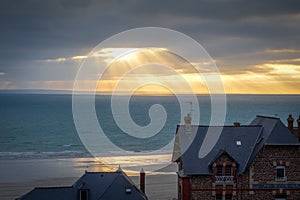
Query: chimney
x,y
298,133
119,170
236,124
187,122
290,120
142,180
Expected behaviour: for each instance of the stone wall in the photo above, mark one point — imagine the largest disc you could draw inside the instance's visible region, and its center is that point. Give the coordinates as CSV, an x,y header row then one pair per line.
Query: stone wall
x,y
202,195
262,171
269,157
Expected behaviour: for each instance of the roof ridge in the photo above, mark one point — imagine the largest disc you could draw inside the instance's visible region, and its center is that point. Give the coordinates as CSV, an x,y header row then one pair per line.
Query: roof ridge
x,y
256,144
244,125
280,144
52,187
262,116
99,172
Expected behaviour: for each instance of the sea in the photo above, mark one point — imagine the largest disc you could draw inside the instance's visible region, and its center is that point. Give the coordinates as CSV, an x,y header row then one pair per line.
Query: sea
x,y
41,126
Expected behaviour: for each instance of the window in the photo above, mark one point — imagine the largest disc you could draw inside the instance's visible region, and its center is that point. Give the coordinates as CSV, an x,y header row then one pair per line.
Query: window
x,y
219,197
83,194
227,197
280,173
280,197
219,170
228,171
224,175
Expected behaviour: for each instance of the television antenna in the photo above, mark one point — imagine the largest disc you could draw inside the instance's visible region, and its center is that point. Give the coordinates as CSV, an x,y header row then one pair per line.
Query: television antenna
x,y
191,107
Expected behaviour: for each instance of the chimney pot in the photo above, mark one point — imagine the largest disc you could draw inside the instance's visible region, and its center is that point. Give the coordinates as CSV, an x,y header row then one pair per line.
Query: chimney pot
x,y
290,120
119,169
142,180
298,132
188,119
237,124
187,123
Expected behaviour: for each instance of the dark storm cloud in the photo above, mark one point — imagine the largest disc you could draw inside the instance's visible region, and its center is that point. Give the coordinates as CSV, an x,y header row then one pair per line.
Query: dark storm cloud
x,y
231,30
75,24
216,9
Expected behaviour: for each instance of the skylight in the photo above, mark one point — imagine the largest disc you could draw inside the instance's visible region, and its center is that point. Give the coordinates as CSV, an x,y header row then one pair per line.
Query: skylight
x,y
128,190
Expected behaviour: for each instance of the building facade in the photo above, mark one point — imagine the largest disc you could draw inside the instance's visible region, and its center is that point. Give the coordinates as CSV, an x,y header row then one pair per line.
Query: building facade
x,y
257,161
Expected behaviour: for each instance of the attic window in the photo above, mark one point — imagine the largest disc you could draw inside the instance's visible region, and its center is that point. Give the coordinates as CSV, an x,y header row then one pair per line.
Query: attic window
x,y
127,190
83,194
239,143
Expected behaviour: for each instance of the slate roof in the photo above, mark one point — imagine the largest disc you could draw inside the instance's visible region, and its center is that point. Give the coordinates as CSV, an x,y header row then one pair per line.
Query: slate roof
x,y
192,164
100,185
262,131
275,132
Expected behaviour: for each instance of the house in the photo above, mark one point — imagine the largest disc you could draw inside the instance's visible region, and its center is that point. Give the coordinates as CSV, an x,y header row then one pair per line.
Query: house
x,y
256,161
92,186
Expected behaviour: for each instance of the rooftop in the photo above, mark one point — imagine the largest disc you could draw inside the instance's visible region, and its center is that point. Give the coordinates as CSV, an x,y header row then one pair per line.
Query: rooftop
x,y
241,143
100,185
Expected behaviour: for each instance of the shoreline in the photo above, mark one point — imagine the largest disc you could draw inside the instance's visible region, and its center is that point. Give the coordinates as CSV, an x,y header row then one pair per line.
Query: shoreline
x,y
158,186
18,177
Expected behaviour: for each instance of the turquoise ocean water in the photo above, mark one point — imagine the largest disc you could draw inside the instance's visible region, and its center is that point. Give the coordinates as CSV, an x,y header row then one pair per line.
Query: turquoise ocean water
x,y
42,126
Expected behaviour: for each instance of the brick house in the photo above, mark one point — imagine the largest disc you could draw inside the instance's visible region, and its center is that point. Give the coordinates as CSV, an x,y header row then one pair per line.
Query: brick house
x,y
256,161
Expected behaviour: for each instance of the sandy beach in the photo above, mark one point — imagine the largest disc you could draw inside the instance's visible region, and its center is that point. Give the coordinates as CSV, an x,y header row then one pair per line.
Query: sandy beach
x,y
18,177
158,187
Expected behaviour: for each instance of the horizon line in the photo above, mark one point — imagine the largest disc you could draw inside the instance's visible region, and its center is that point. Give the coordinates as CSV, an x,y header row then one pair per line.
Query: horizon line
x,y
54,91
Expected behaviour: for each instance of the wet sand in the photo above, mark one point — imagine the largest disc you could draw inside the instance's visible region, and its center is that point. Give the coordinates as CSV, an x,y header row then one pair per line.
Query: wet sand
x,y
158,187
18,177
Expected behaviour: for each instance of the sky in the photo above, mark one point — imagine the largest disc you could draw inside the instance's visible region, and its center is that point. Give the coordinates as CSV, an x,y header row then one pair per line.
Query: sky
x,y
255,44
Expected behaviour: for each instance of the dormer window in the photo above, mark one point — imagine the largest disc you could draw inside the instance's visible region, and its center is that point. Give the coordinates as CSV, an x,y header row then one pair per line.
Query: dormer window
x,y
224,174
224,168
83,194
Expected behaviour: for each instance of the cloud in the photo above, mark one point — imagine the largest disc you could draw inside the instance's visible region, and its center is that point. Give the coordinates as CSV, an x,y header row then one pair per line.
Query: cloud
x,y
215,9
238,34
5,85
61,59
56,60
282,51
292,61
